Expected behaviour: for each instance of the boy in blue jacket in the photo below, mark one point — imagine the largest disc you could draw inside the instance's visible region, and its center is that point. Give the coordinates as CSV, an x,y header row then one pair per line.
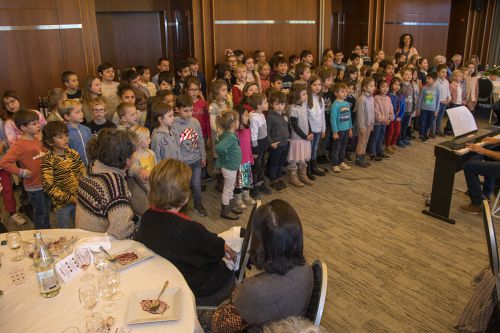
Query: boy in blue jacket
x,y
79,135
341,122
428,104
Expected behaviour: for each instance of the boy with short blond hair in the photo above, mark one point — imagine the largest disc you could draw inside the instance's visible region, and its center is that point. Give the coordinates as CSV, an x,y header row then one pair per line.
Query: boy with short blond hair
x,y
79,135
98,109
127,113
28,151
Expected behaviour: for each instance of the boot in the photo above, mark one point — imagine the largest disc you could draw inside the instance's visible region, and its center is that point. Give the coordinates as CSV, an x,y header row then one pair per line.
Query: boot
x,y
238,201
360,161
234,208
366,158
219,185
293,179
315,170
247,199
308,171
303,176
227,213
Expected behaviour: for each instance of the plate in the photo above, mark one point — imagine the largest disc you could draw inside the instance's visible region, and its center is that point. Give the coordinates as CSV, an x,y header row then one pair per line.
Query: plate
x,y
171,296
141,253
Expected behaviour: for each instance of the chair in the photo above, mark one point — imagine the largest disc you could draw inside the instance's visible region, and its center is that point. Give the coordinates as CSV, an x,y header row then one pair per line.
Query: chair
x,y
247,240
317,303
495,208
485,95
491,240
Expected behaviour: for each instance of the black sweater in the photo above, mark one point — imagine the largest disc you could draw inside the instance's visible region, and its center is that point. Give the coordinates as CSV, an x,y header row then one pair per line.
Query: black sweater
x,y
194,250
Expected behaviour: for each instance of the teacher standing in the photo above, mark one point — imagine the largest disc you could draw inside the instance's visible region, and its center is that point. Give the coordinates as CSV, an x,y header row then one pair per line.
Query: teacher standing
x,y
406,46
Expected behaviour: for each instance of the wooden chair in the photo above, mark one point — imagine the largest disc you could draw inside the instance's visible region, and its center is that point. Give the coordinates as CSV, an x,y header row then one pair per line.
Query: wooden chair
x,y
491,240
317,303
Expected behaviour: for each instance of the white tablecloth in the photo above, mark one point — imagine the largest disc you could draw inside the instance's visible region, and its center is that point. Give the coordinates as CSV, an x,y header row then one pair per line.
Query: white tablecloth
x,y
22,309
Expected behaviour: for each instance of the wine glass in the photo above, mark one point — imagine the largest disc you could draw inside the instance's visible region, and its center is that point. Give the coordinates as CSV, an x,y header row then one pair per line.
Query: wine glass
x,y
14,243
106,293
100,261
88,297
83,259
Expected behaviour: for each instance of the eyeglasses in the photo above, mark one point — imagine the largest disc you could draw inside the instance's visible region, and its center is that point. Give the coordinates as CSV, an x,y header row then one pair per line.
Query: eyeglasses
x,y
98,110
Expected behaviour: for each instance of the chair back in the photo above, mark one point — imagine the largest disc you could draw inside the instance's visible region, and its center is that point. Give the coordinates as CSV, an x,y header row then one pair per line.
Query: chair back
x,y
317,303
245,246
485,90
491,241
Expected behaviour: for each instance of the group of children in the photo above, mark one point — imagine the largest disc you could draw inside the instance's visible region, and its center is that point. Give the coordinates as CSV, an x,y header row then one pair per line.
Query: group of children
x,y
259,119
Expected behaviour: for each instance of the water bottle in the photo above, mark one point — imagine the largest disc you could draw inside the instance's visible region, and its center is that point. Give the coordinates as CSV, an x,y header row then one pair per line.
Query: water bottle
x,y
45,269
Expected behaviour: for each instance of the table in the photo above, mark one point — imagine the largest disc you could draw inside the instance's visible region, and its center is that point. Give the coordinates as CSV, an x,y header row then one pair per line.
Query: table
x,y
22,309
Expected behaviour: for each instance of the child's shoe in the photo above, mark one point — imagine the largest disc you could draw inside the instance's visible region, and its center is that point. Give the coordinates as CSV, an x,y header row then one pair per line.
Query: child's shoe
x,y
336,168
247,199
198,207
281,185
226,213
344,166
303,176
383,155
293,179
360,161
238,201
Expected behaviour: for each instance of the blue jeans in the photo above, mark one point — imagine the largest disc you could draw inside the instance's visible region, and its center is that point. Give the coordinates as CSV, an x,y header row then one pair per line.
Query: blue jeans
x,y
277,160
314,145
375,144
436,128
338,148
65,216
480,167
41,209
426,121
196,180
405,123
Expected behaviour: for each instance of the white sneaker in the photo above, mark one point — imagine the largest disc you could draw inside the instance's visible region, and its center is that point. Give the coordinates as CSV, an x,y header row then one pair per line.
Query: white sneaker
x,y
336,169
18,219
344,166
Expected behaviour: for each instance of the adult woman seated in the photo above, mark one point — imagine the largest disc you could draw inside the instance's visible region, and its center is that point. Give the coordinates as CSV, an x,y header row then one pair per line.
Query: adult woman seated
x,y
103,197
284,287
194,250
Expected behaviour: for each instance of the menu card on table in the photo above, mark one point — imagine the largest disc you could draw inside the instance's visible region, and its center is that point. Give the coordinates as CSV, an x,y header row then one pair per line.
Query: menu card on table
x,y
67,268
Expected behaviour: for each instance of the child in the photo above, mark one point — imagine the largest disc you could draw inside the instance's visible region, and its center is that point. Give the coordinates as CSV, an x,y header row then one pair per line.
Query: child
x,y
55,96
327,62
423,68
389,72
126,94
240,71
353,141
166,81
143,157
293,61
252,74
183,71
127,115
98,109
300,139
141,105
276,82
229,160
163,65
338,56
278,132
341,127
364,54
260,142
444,94
327,76
264,69
248,90
259,56
194,66
244,178
145,75
134,80
28,152
70,80
200,112
286,79
302,74
384,115
456,96
316,117
91,90
108,88
164,140
410,96
61,170
351,75
192,146
398,107
365,116
79,135
355,60
428,105
307,58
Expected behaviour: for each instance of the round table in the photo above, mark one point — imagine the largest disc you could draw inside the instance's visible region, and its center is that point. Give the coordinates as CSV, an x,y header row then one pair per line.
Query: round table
x,y
23,309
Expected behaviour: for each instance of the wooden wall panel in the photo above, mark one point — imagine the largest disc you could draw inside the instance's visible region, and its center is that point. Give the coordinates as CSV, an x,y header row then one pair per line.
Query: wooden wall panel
x,y
123,45
289,38
355,23
422,11
34,59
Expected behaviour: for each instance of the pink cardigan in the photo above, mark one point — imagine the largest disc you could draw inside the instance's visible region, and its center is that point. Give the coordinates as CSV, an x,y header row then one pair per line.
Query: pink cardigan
x,y
454,93
383,109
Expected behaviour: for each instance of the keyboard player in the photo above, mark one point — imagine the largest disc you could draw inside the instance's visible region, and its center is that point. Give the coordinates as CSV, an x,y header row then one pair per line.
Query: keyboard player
x,y
486,164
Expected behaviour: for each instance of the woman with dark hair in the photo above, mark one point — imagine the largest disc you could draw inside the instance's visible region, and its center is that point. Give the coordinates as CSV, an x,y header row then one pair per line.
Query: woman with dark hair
x,y
406,46
285,285
194,250
103,196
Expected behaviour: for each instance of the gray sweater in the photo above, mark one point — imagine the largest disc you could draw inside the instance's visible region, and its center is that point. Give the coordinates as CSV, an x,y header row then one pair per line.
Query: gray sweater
x,y
277,127
190,138
165,143
269,297
365,110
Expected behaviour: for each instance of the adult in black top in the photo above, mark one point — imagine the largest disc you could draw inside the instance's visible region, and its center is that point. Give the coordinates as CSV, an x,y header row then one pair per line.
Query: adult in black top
x,y
194,250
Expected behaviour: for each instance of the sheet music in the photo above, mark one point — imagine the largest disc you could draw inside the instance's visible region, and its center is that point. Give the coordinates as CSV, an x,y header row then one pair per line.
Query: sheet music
x,y
462,120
